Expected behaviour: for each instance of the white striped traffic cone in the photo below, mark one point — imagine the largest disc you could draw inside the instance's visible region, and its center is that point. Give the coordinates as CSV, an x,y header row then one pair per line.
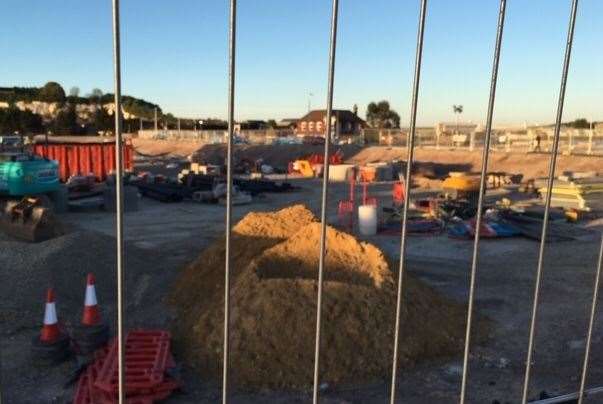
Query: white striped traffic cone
x,y
91,314
50,331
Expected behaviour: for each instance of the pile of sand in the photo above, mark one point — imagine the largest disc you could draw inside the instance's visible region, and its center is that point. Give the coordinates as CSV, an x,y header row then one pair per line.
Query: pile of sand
x,y
273,296
203,280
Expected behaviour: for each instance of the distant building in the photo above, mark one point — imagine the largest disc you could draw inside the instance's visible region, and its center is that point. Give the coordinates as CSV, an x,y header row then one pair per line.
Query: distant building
x,y
344,122
287,123
253,125
450,128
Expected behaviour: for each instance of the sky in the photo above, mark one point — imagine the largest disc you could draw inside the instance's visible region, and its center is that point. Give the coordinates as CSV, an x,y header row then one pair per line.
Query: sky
x,y
175,53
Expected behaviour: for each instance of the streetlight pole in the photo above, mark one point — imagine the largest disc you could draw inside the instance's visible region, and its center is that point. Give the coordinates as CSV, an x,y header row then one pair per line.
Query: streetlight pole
x,y
590,138
155,120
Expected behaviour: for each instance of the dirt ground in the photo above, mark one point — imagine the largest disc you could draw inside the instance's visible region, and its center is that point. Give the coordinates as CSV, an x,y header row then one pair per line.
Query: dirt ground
x,y
438,162
169,236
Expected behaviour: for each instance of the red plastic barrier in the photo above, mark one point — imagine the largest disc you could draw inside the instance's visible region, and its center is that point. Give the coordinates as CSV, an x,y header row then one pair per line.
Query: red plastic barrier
x,y
336,158
85,158
148,357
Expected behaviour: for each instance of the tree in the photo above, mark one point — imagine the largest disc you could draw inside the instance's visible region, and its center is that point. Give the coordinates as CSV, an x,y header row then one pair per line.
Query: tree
x,y
12,119
580,123
271,123
52,92
65,122
97,92
458,110
96,95
102,121
355,109
380,115
74,91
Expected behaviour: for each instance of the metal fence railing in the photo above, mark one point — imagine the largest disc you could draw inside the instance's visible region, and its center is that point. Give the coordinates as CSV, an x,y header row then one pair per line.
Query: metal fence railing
x,y
119,203
325,190
482,190
571,141
547,204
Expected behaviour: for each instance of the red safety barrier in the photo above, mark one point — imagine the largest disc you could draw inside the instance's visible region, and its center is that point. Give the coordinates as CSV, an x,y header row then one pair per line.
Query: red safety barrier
x,y
147,358
147,354
85,158
335,158
398,193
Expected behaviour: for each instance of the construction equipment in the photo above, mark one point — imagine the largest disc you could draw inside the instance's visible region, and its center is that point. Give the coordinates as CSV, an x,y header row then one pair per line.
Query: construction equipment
x,y
29,220
304,167
462,186
312,165
24,174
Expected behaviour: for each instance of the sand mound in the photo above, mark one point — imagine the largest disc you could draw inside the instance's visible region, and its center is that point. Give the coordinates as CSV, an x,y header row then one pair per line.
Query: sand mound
x,y
274,307
347,259
281,224
257,231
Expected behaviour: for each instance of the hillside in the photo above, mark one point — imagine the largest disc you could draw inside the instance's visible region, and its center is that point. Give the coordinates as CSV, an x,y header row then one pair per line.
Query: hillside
x,y
33,110
48,100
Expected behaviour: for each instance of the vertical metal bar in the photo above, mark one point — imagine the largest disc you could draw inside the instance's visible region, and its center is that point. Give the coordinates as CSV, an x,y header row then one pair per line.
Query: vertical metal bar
x,y
119,203
410,146
482,191
547,205
325,191
593,311
231,94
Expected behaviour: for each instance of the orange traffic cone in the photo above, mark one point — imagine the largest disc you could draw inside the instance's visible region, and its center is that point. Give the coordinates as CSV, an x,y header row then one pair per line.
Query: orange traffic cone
x,y
50,331
91,316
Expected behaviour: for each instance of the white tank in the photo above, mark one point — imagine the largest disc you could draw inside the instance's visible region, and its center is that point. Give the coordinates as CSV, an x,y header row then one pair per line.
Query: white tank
x,y
367,220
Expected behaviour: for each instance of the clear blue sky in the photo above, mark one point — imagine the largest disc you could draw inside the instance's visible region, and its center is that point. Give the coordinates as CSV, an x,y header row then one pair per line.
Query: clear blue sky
x,y
175,54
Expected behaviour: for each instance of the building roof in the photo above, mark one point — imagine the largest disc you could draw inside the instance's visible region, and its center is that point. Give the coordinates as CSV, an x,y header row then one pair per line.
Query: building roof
x,y
41,139
344,114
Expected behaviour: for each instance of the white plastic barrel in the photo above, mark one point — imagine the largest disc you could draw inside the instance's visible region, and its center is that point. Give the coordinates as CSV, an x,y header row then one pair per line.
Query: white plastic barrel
x,y
341,172
367,220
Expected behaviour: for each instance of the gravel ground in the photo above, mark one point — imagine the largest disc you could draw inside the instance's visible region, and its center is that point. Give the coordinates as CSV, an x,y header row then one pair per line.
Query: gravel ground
x,y
63,262
162,238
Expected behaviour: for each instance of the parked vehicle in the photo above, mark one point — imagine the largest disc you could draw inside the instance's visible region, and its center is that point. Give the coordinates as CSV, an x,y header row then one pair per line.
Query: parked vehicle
x,y
314,140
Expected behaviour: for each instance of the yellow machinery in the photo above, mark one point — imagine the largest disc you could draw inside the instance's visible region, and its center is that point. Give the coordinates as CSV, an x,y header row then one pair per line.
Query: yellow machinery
x,y
29,220
462,186
304,167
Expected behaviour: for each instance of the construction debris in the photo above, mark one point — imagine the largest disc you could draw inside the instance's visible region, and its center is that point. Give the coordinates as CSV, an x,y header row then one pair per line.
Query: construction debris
x,y
488,229
163,192
569,192
273,291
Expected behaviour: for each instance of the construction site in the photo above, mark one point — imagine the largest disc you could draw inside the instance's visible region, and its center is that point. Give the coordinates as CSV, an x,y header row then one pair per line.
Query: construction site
x,y
325,258
174,273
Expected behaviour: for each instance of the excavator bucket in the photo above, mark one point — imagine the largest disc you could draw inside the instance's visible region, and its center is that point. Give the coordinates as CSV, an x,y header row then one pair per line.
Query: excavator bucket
x,y
29,220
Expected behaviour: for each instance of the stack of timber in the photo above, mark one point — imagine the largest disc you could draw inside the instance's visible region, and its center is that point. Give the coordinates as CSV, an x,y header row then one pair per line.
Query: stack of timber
x,y
576,193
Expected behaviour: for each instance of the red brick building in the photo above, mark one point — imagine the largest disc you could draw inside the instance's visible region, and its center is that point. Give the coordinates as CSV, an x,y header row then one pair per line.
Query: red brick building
x,y
344,123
